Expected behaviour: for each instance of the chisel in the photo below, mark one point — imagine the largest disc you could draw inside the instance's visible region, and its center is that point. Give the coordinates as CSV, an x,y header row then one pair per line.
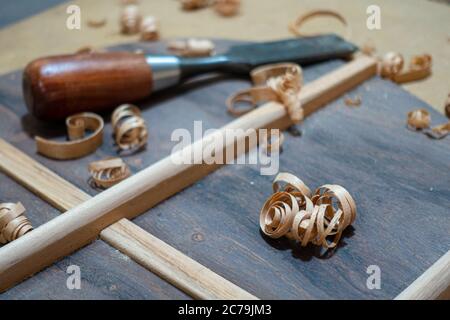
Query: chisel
x,y
58,86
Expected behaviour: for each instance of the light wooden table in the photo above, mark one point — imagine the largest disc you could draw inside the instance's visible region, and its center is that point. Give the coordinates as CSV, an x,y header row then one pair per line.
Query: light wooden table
x,y
410,27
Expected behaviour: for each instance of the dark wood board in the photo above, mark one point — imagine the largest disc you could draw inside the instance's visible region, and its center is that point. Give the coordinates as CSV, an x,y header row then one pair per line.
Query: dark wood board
x,y
398,178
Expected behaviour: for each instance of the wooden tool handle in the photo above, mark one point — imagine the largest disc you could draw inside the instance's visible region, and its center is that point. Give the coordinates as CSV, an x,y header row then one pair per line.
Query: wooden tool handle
x,y
59,86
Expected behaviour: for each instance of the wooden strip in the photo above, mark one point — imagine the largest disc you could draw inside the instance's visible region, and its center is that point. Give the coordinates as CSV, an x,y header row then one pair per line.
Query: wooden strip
x,y
434,283
68,232
170,264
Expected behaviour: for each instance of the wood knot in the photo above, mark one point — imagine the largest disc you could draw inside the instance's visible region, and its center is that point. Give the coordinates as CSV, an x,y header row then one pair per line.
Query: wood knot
x,y
198,237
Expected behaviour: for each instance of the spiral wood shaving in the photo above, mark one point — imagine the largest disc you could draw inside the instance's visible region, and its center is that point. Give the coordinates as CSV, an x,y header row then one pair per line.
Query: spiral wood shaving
x,y
96,23
108,172
79,144
149,29
130,20
277,82
191,47
392,64
194,4
130,130
420,120
297,213
294,26
352,102
13,223
227,8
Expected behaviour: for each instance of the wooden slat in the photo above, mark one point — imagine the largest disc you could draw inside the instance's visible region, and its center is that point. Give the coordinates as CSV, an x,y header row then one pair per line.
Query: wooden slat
x,y
142,191
432,284
152,253
169,263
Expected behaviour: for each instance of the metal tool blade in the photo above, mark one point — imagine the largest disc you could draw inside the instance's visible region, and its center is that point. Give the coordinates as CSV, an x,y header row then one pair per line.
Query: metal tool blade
x,y
304,50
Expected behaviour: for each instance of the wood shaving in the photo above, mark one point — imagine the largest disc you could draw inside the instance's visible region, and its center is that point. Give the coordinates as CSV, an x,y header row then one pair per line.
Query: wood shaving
x,y
96,23
368,49
194,4
277,82
391,64
391,67
13,222
128,2
86,49
295,26
192,47
78,145
130,130
130,20
419,68
227,8
108,172
149,29
297,213
352,102
89,49
420,120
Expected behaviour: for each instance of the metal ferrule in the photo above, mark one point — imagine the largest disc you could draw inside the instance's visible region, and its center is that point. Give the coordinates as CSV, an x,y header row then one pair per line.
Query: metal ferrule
x,y
165,70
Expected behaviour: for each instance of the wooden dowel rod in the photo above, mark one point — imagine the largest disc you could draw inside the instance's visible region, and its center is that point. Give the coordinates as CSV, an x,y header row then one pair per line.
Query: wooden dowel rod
x,y
434,283
66,233
157,256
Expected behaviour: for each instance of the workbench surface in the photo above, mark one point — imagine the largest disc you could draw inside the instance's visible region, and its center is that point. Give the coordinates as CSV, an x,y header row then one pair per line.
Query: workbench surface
x,y
399,180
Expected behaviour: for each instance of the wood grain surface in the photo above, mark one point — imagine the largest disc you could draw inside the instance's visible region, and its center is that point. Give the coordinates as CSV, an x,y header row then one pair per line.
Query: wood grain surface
x,y
398,178
155,255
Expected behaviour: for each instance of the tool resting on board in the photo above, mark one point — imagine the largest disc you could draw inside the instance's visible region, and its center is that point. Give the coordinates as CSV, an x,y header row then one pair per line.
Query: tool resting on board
x,y
59,86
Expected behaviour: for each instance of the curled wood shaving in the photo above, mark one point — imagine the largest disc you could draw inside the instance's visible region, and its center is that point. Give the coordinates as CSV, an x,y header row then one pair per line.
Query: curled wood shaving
x,y
352,102
130,20
13,222
278,82
194,4
391,67
297,213
294,26
149,29
96,23
191,47
108,172
227,8
130,130
419,68
391,64
420,120
439,131
86,49
79,144
368,49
